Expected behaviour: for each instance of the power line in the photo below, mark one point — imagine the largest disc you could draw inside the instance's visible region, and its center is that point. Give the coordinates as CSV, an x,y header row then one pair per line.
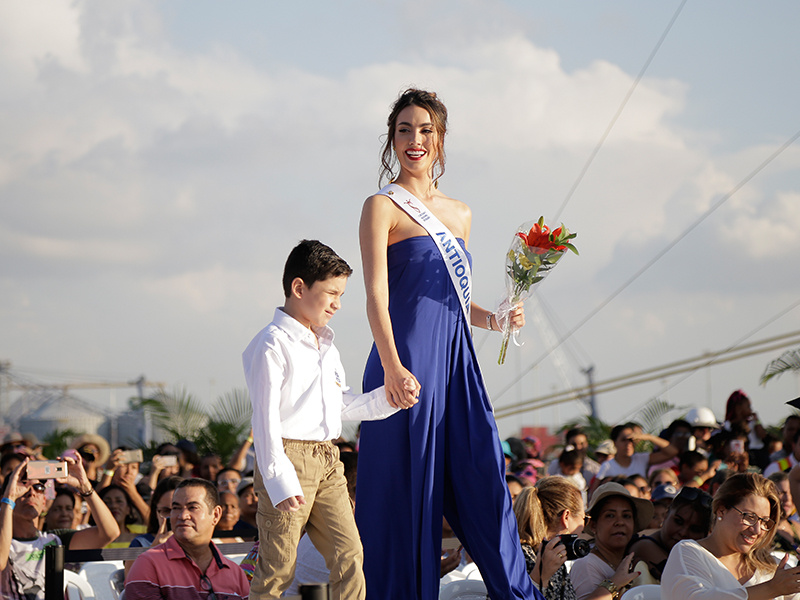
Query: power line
x,y
616,116
689,366
655,259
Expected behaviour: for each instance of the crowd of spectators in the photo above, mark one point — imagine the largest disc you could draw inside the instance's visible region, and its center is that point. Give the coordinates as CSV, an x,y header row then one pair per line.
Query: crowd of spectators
x,y
704,505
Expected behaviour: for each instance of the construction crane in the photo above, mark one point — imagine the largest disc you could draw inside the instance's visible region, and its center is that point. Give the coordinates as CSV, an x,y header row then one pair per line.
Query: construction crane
x,y
12,381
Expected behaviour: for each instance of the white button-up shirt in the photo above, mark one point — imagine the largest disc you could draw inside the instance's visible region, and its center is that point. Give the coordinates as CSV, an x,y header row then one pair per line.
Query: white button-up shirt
x,y
298,391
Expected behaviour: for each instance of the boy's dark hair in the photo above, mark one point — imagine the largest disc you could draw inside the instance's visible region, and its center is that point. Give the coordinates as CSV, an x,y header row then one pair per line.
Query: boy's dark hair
x,y
211,495
690,458
570,458
312,261
572,433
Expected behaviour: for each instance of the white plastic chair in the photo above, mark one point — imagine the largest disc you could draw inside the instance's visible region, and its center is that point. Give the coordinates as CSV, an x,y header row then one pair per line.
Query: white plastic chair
x,y
77,587
466,589
642,592
102,576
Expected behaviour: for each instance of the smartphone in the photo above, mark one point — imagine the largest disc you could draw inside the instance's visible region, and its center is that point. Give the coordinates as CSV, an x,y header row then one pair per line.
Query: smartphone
x,y
46,469
131,456
737,446
170,460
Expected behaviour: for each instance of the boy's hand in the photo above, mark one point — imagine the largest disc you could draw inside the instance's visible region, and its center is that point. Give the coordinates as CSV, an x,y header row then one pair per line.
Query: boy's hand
x,y
402,388
291,504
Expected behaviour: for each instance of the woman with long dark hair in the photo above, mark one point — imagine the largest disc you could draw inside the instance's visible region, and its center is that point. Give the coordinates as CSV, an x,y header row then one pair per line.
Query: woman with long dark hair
x,y
443,454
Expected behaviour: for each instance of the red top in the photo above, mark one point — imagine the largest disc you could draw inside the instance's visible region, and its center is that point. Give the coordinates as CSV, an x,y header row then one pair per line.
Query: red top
x,y
166,572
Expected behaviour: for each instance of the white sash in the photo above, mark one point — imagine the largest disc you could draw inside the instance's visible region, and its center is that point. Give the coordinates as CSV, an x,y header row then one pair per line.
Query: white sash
x,y
455,260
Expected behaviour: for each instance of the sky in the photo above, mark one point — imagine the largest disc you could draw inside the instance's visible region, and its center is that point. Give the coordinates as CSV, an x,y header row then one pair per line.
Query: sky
x,y
159,160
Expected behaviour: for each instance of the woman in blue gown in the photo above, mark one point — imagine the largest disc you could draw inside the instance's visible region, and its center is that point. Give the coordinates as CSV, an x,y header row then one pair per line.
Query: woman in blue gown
x,y
442,456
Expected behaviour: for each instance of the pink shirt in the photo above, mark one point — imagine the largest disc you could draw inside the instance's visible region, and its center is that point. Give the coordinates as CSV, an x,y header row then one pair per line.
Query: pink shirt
x,y
166,572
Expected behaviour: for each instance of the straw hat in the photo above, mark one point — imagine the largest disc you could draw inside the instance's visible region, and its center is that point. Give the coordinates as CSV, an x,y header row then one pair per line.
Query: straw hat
x,y
96,440
644,508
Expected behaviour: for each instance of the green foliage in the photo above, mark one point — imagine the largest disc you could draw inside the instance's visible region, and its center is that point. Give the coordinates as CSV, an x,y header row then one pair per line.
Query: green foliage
x,y
229,423
651,415
58,441
788,361
216,431
178,413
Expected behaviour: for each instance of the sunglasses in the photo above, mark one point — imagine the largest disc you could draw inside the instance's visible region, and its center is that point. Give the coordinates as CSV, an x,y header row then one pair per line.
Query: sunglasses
x,y
205,581
87,454
37,486
691,494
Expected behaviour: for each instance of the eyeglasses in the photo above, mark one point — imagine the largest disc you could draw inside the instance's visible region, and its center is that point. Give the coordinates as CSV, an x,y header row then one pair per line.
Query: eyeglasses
x,y
87,454
205,581
751,519
224,482
691,494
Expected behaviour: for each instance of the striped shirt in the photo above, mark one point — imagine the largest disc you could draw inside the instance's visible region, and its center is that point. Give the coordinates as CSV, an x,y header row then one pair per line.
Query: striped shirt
x,y
166,572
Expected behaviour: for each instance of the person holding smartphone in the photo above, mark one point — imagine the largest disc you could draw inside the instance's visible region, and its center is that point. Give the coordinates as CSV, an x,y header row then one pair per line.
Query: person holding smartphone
x,y
22,562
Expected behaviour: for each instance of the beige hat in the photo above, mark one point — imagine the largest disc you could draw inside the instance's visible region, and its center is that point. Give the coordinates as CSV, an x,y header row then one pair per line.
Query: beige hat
x,y
606,447
644,508
97,440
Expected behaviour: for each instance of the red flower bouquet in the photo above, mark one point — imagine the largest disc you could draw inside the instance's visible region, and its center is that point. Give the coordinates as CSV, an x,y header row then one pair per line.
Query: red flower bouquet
x,y
534,252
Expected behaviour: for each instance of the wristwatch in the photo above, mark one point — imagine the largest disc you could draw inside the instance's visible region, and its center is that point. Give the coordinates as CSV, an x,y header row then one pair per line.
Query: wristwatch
x,y
611,587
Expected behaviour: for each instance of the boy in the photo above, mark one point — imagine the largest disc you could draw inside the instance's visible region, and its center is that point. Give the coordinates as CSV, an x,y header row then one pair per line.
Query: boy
x,y
299,398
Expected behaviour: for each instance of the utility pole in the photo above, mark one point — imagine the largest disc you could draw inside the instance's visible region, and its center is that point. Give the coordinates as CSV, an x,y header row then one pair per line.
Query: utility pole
x,y
592,400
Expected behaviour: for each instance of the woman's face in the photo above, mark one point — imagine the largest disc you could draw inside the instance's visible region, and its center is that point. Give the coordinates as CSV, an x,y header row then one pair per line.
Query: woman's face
x,y
733,532
575,522
164,505
415,140
683,523
742,410
624,442
614,526
248,503
665,476
230,511
117,504
787,506
61,514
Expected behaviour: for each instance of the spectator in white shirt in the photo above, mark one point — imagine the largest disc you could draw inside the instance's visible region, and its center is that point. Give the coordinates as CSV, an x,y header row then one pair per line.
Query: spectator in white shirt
x,y
626,461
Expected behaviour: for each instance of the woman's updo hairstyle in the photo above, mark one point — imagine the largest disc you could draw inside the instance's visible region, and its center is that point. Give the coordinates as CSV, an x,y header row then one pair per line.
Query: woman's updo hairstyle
x,y
438,113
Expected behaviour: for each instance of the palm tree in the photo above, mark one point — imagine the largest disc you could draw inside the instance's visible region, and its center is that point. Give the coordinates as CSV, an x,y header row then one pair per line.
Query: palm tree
x,y
229,422
788,361
178,413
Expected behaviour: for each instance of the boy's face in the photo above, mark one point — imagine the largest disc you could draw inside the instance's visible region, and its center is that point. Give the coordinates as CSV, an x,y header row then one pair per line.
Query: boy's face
x,y
316,305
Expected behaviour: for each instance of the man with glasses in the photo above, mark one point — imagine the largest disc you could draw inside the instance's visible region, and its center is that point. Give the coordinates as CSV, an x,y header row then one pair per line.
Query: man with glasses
x,y
22,563
188,566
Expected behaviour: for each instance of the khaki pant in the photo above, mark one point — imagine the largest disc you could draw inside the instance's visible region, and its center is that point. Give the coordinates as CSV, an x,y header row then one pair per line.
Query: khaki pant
x,y
327,518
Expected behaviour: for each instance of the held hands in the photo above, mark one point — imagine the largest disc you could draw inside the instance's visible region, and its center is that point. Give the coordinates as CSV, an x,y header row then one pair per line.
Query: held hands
x,y
291,504
402,388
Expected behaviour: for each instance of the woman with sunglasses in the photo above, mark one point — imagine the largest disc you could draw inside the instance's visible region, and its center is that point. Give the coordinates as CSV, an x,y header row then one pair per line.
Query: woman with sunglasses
x,y
688,518
734,562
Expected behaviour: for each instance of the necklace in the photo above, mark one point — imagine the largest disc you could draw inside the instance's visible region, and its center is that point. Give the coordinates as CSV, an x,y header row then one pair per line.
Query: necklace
x,y
601,555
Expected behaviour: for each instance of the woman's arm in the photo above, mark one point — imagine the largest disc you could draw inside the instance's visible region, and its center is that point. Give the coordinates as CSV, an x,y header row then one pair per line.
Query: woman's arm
x,y
666,450
376,222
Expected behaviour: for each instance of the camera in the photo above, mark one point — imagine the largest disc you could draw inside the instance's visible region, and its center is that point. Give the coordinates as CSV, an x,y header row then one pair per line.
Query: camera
x,y
576,547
